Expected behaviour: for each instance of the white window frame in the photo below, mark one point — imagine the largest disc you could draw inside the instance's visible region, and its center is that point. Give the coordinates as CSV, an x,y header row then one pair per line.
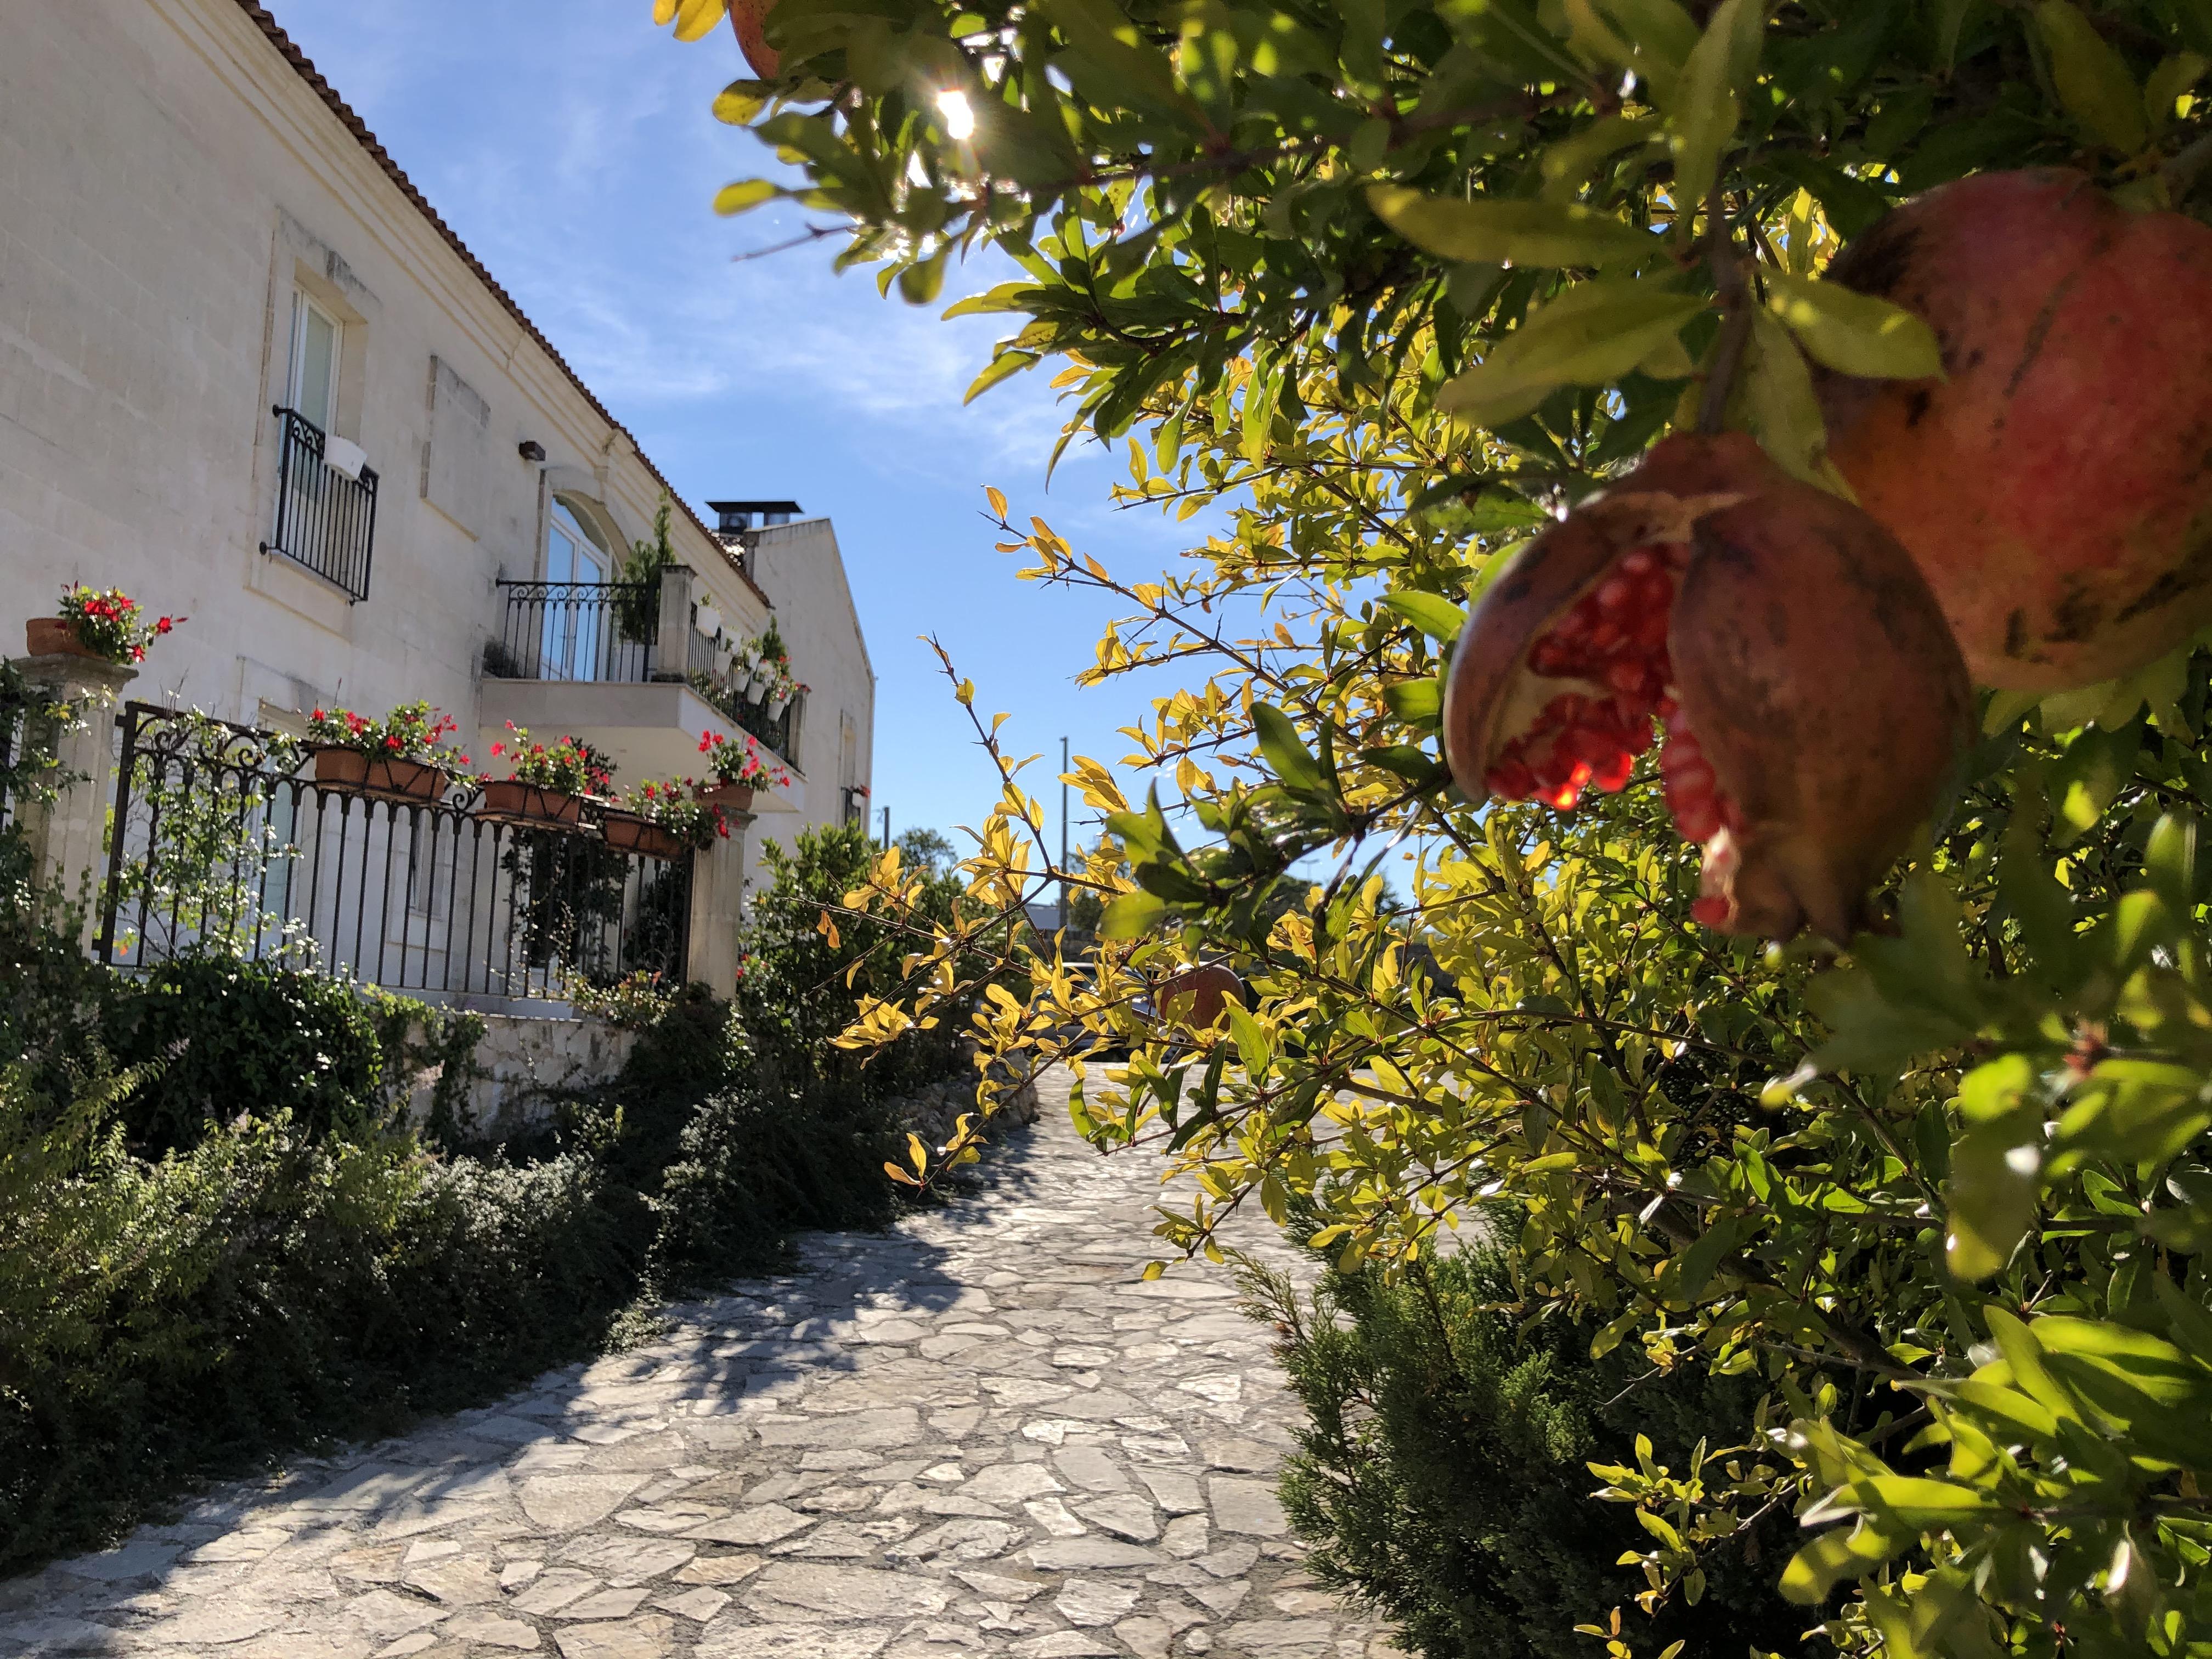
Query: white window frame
x,y
304,305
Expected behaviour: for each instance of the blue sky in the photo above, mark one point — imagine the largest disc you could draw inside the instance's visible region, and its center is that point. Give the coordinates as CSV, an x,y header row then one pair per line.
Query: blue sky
x,y
571,146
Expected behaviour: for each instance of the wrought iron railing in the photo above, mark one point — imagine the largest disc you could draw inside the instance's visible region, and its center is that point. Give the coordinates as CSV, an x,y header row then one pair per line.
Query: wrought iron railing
x,y
325,520
576,631
218,844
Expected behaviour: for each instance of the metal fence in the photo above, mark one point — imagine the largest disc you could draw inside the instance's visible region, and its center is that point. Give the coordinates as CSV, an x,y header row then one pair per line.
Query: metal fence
x,y
325,521
219,842
577,631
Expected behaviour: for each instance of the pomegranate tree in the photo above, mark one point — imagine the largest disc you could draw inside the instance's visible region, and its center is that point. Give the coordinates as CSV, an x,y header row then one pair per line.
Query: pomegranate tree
x,y
748,20
2055,487
1810,695
1196,996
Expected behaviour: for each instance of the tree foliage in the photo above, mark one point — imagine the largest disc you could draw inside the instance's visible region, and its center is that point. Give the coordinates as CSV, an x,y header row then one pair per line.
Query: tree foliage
x,y
1388,283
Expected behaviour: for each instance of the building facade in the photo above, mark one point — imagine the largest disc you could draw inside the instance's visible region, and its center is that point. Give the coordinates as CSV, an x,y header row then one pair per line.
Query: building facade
x,y
249,375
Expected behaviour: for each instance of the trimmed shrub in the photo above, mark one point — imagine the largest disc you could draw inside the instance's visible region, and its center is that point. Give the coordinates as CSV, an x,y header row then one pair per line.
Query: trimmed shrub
x,y
1443,1477
166,1322
221,1038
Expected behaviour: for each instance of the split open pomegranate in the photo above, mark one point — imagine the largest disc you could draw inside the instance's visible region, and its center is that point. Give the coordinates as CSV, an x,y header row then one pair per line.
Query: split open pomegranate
x,y
1809,693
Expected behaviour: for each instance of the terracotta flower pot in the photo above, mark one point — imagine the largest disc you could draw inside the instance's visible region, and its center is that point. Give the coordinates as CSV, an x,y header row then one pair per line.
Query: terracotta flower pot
x,y
345,769
730,797
54,636
510,800
627,832
374,774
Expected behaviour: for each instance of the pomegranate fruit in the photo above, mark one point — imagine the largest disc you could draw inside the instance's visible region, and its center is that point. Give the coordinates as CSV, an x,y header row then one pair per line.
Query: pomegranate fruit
x,y
748,19
2055,489
1196,996
1811,697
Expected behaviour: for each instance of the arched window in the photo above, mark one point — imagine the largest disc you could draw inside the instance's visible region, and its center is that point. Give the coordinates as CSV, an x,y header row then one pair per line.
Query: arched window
x,y
579,632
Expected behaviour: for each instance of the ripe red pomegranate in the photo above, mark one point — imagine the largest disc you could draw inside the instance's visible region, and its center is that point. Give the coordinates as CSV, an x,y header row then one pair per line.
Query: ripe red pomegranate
x,y
1811,694
1196,996
747,18
2056,489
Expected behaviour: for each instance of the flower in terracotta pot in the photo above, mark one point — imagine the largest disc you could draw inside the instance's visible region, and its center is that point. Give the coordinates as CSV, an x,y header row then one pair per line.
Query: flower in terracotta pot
x,y
740,765
397,756
567,766
109,624
671,806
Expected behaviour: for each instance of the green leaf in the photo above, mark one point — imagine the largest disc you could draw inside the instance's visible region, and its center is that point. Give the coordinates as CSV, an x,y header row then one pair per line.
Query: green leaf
x,y
745,195
1815,1570
1433,614
1292,762
1594,333
1497,230
740,102
1005,364
2091,78
1855,333
1990,1199
1774,399
1418,702
1704,109
1920,1505
1132,915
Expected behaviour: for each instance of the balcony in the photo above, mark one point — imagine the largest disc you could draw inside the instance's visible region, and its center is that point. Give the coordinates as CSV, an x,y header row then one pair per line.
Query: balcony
x,y
624,667
325,517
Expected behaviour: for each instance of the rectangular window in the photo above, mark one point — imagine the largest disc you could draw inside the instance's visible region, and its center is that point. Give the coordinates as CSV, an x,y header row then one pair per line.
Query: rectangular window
x,y
313,387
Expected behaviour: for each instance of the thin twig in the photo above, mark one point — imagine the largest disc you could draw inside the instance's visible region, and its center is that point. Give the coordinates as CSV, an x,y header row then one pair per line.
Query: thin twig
x,y
812,233
1735,294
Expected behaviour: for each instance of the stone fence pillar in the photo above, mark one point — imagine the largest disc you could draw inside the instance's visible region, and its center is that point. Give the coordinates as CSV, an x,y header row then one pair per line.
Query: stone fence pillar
x,y
718,877
67,836
671,644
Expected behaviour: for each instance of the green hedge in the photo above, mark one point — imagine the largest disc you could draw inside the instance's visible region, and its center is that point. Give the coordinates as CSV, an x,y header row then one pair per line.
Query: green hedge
x,y
1443,1475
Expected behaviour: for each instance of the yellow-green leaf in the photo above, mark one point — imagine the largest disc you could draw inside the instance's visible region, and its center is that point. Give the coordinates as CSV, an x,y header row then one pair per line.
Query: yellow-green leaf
x,y
745,195
1593,333
2092,79
1855,333
1501,230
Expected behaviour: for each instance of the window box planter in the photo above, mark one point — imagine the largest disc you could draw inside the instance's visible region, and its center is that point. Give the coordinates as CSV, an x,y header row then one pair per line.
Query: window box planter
x,y
626,832
351,772
730,797
508,800
54,636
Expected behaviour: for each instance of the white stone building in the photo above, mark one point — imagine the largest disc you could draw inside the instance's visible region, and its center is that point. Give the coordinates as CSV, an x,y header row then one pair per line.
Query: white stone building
x,y
249,375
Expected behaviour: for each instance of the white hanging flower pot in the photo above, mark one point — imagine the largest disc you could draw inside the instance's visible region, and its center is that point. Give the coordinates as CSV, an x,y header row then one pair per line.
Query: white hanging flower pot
x,y
756,687
777,705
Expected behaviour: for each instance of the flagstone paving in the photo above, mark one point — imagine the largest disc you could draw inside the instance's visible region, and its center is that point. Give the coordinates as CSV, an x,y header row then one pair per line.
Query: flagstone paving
x,y
979,1433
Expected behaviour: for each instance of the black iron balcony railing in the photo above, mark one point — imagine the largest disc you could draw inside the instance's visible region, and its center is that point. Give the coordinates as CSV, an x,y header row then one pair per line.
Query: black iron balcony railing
x,y
325,520
576,631
221,843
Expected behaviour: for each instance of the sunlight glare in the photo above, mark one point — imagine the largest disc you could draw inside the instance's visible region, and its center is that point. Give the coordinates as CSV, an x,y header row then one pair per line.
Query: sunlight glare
x,y
959,119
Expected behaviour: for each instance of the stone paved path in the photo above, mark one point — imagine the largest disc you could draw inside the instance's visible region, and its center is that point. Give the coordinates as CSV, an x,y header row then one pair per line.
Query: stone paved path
x,y
978,1434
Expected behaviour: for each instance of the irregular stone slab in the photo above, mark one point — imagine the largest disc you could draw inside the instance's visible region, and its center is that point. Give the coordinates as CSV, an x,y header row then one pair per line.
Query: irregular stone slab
x,y
698,1606
492,1631
646,1638
764,1525
1065,1645
568,1502
1266,1635
606,1604
839,1592
554,1591
1063,1553
1146,1637
1091,1601
137,1559
1089,1467
1246,1506
719,1570
726,1640
381,1614
216,1625
1173,1490
1125,1515
898,1425
629,1560
1011,1483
